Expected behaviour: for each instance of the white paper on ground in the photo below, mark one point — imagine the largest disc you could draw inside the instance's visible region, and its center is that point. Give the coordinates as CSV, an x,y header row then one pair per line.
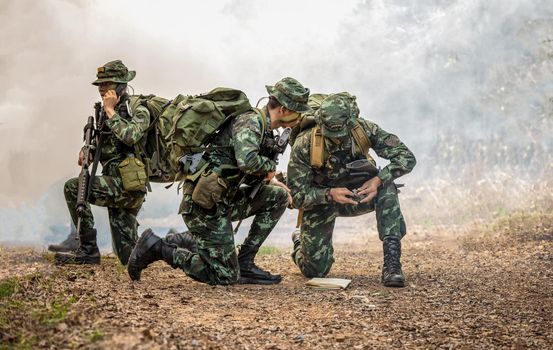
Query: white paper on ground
x,y
328,283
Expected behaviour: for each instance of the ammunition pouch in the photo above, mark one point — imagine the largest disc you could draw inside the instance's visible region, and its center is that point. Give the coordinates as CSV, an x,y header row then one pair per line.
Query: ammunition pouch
x,y
133,174
209,190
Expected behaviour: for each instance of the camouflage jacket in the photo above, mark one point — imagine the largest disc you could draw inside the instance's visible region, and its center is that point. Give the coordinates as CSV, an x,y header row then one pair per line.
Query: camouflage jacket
x,y
308,185
244,135
121,133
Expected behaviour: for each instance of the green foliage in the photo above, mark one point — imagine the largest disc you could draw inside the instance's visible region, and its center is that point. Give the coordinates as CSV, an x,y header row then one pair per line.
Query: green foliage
x,y
96,335
55,312
8,287
269,250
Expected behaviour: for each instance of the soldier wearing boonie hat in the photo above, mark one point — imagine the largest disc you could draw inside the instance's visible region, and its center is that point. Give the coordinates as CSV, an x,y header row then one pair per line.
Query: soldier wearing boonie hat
x,y
124,126
323,188
240,159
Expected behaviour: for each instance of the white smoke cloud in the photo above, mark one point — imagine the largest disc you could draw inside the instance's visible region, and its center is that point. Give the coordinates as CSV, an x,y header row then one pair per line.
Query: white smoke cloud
x,y
421,69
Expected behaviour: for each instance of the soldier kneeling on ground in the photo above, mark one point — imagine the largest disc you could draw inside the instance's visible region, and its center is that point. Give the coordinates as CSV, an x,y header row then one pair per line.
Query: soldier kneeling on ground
x,y
323,187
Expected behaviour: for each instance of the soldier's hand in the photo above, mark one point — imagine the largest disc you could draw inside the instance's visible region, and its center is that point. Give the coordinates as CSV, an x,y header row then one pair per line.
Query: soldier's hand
x,y
369,189
275,182
81,157
269,176
110,100
341,195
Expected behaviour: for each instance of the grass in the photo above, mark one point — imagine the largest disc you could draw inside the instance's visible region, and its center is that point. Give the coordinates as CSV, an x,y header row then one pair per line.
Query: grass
x,y
525,226
30,305
8,287
54,312
269,250
96,335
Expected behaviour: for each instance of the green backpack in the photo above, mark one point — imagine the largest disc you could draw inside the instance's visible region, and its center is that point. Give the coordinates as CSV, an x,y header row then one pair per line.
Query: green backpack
x,y
152,148
183,128
307,120
196,121
308,123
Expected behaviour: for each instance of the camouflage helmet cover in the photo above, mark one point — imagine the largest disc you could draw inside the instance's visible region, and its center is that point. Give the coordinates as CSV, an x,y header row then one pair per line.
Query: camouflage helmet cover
x,y
114,72
291,94
336,114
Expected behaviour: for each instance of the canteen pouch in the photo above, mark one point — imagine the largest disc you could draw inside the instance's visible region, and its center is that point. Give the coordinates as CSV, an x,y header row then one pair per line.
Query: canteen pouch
x,y
209,190
133,174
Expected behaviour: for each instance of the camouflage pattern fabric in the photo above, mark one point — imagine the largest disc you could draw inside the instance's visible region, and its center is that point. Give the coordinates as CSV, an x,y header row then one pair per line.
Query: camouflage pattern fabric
x,y
114,72
336,114
107,190
216,260
314,256
309,185
291,94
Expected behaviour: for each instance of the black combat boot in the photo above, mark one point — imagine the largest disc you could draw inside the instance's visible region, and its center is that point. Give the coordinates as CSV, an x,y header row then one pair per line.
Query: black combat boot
x,y
71,243
392,276
182,240
87,252
249,272
148,249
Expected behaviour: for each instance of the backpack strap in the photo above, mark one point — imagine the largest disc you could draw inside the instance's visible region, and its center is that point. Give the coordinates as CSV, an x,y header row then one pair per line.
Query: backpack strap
x,y
263,122
317,147
361,139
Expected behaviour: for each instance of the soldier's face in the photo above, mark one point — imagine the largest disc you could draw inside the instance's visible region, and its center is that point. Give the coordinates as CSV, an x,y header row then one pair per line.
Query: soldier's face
x,y
284,118
105,87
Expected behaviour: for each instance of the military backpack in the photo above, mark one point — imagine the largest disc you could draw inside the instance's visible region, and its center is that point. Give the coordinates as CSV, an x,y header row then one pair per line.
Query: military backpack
x,y
183,128
308,122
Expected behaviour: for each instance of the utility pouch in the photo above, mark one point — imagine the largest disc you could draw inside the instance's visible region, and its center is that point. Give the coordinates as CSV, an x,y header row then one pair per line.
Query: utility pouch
x,y
133,174
209,190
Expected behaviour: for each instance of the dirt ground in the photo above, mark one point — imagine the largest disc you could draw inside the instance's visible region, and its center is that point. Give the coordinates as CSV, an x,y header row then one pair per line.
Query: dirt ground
x,y
483,287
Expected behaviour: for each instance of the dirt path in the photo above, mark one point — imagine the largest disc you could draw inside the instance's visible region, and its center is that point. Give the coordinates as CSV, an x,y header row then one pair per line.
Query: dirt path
x,y
466,290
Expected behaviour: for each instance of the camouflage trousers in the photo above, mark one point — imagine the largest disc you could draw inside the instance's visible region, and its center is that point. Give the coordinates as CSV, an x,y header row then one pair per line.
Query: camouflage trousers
x,y
123,206
314,255
216,261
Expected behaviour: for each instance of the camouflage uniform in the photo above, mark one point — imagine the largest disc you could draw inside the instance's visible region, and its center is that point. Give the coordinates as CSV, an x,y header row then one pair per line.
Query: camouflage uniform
x,y
313,251
121,133
215,260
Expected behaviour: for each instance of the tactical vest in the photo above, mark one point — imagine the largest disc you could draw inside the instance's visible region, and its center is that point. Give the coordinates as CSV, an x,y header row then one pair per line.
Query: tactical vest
x,y
116,149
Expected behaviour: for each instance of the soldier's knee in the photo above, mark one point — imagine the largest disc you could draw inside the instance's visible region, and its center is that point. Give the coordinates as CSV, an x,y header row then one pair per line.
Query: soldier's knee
x,y
70,187
311,269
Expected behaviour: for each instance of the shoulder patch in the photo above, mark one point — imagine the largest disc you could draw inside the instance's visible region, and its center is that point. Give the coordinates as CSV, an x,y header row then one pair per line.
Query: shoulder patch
x,y
392,141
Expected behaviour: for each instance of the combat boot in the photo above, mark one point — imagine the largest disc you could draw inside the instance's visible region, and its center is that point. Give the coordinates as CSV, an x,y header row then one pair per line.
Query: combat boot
x,y
148,249
87,252
182,240
249,272
392,276
71,243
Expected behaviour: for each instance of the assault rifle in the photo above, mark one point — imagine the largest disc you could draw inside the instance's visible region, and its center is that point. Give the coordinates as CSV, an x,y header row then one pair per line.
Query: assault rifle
x,y
92,145
272,148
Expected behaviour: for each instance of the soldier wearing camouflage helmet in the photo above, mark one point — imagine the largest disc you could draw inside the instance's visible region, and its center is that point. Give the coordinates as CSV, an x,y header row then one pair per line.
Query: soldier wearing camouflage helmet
x,y
214,259
323,187
123,128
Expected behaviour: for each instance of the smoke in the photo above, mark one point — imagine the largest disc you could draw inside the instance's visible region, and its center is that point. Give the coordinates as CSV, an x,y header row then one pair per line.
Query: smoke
x,y
455,80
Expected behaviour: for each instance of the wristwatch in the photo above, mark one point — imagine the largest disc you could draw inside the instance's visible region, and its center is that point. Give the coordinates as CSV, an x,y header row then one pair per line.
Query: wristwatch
x,y
328,196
